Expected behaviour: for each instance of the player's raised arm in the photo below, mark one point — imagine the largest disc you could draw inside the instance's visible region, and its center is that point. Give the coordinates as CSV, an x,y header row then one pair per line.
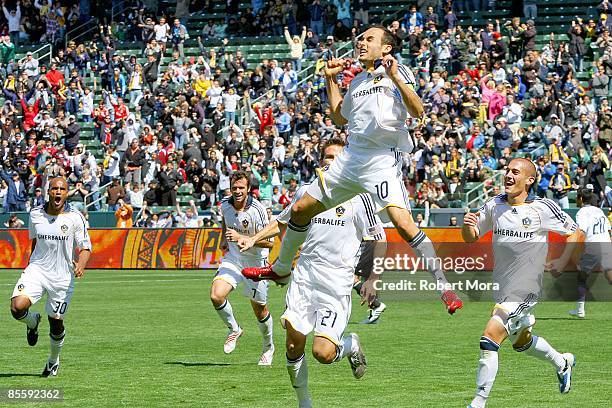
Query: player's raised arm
x,y
332,69
411,99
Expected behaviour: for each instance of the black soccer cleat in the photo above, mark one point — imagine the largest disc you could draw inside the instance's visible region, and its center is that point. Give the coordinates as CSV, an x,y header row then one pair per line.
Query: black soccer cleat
x,y
50,369
32,334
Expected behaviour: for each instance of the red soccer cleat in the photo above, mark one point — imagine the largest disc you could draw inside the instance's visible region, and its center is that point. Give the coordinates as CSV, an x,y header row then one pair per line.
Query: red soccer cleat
x,y
259,273
452,301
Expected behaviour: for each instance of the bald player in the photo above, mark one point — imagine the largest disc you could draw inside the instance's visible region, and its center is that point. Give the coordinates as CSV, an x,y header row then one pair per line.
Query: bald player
x,y
520,223
56,230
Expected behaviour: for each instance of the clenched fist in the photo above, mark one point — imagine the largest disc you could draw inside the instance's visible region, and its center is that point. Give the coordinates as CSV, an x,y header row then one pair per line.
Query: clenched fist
x,y
334,67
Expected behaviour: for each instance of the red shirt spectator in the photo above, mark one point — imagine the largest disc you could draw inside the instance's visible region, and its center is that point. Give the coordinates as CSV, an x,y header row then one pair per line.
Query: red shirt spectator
x,y
29,113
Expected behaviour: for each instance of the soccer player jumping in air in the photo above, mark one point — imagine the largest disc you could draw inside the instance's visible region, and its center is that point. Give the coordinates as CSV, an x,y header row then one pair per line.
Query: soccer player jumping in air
x,y
375,108
55,230
319,296
520,223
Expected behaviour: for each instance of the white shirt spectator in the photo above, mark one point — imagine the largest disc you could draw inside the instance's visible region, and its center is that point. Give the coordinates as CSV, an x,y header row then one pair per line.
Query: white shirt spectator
x,y
230,101
14,20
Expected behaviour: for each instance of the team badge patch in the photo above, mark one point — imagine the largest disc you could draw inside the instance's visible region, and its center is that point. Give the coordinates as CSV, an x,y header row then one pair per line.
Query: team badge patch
x,y
245,223
20,287
377,79
340,211
526,222
64,228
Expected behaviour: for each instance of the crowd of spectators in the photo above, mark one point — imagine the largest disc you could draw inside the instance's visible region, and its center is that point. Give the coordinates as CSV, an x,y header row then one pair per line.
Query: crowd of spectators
x,y
172,128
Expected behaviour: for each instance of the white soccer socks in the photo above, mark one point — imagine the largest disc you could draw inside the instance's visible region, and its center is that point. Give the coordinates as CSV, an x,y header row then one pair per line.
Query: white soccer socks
x,y
293,239
298,374
487,371
346,347
265,327
226,314
424,249
30,319
541,349
57,341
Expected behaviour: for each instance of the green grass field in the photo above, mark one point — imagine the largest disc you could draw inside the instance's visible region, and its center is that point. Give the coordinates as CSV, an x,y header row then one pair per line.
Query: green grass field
x,y
149,339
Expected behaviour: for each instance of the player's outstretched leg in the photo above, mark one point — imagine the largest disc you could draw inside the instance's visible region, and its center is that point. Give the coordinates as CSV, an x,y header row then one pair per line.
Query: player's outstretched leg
x,y
218,296
20,310
57,333
264,319
424,249
376,307
538,347
297,229
297,365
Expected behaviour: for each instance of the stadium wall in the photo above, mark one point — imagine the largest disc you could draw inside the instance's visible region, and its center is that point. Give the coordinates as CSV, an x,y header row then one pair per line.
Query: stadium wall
x,y
198,248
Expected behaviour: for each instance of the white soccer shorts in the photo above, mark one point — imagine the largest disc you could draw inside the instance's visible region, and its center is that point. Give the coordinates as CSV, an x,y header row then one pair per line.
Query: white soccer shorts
x,y
517,316
308,309
378,172
34,282
230,272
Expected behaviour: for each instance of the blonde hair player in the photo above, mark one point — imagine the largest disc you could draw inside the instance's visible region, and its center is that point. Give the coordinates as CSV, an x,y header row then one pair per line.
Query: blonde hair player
x,y
375,108
520,223
56,230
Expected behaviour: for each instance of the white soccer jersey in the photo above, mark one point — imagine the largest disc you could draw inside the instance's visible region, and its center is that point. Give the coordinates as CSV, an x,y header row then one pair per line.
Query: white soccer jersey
x,y
520,243
57,236
375,111
596,227
330,251
248,222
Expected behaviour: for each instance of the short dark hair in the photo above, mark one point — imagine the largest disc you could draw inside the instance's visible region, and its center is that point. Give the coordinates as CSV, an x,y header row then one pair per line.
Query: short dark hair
x,y
388,37
587,196
332,141
239,175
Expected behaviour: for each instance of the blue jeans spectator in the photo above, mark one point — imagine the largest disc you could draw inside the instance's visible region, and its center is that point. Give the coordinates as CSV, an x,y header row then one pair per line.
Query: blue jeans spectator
x,y
317,26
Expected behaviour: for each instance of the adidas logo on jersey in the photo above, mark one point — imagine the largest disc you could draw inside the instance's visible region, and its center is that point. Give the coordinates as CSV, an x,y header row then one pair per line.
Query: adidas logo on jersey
x,y
514,211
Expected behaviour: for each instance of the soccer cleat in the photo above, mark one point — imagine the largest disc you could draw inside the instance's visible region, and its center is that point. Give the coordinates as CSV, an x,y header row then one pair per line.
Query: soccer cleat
x,y
452,301
577,313
357,359
232,339
32,334
374,314
565,375
266,357
259,273
50,369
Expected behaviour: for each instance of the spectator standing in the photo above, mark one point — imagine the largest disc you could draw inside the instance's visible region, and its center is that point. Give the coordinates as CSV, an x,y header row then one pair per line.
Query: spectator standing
x,y
362,8
189,218
530,9
560,184
16,196
114,193
316,17
296,44
343,8
13,18
123,214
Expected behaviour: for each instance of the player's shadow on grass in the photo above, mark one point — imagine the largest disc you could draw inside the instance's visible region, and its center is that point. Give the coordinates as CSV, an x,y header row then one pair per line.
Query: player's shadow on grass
x,y
197,364
7,375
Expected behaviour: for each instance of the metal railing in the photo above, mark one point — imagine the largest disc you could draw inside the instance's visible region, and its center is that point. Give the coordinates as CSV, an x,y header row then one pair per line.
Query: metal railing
x,y
40,54
93,24
479,190
101,190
